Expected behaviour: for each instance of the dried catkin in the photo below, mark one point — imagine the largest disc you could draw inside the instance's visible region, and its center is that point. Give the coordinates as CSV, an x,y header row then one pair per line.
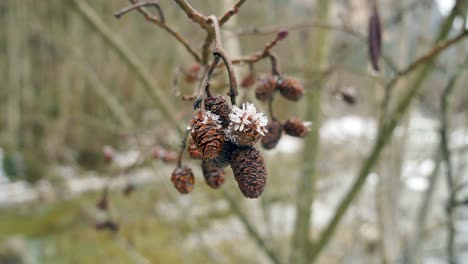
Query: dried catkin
x,y
219,106
193,151
271,139
207,134
291,89
214,176
296,127
265,88
374,41
249,171
183,179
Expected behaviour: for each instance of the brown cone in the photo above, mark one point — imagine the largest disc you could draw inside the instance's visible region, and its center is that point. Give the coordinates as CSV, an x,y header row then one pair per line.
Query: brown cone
x,y
248,81
271,139
296,127
183,179
291,88
214,176
193,151
265,88
207,134
249,171
222,160
219,106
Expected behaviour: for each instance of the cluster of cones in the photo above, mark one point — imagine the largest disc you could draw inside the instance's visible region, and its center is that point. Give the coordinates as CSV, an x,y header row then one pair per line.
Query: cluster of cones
x,y
221,136
292,90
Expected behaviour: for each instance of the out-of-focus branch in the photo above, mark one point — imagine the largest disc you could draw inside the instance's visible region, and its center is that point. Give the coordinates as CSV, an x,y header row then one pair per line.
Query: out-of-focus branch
x,y
225,18
252,231
387,130
158,95
193,14
160,22
446,158
319,25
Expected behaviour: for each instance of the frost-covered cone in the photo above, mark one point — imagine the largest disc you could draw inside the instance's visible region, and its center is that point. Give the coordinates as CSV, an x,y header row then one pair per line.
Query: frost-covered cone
x,y
247,125
296,127
270,140
207,134
183,179
292,89
265,88
219,106
249,171
214,176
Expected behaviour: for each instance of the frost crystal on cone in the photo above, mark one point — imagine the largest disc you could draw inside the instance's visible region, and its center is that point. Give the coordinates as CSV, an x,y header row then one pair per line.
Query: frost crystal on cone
x,y
296,127
247,125
183,179
213,175
249,171
207,134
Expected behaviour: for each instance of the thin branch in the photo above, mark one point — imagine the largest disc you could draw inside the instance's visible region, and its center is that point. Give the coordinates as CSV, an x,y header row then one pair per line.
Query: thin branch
x,y
160,22
158,95
234,10
205,85
251,229
219,51
446,158
384,135
139,5
183,145
315,24
193,14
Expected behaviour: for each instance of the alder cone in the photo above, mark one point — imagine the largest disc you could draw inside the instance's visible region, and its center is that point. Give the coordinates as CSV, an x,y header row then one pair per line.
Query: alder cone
x,y
271,139
214,176
219,106
207,134
183,179
296,127
193,151
291,89
248,81
265,88
222,160
249,171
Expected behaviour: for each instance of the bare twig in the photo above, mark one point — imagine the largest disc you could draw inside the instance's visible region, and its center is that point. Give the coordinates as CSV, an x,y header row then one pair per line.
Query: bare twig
x,y
231,12
158,95
139,5
183,145
193,14
252,231
386,132
219,51
446,158
315,24
160,22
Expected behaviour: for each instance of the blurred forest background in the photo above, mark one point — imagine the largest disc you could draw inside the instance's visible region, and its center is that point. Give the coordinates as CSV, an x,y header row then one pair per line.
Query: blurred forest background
x,y
78,89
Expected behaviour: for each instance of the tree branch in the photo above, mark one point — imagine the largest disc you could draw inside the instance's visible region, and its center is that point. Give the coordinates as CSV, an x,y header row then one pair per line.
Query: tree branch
x,y
251,229
158,95
385,133
193,14
225,18
160,22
